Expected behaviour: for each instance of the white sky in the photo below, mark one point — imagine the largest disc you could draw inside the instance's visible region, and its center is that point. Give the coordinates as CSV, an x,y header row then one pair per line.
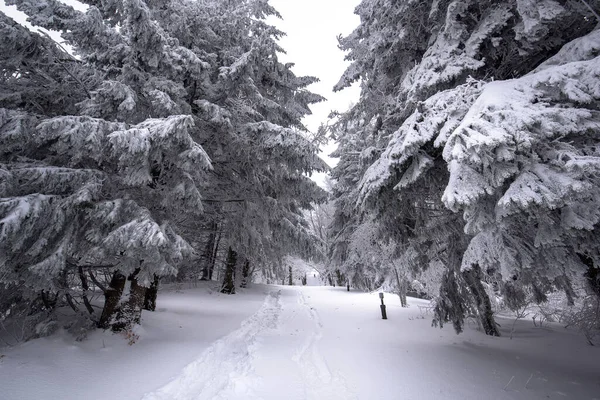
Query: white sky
x,y
312,27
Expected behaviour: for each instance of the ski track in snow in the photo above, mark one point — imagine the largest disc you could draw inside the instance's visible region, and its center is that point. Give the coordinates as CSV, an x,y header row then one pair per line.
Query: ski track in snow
x,y
319,381
225,368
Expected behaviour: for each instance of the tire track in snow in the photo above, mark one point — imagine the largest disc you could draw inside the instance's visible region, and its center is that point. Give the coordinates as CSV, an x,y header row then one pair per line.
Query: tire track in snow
x,y
224,368
320,382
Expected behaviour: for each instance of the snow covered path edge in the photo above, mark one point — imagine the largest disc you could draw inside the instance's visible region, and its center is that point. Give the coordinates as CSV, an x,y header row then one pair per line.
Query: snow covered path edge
x,y
228,358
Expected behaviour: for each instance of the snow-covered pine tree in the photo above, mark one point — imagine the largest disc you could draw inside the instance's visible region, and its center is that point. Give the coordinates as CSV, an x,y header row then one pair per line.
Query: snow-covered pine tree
x,y
252,130
148,85
319,220
38,76
102,189
356,148
523,170
422,66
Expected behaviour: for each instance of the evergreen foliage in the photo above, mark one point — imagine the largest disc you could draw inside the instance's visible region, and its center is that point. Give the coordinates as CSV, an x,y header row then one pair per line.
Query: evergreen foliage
x,y
472,145
169,121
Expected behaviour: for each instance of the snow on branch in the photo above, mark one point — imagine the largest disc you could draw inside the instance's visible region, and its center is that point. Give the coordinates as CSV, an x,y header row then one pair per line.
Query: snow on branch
x,y
434,120
511,119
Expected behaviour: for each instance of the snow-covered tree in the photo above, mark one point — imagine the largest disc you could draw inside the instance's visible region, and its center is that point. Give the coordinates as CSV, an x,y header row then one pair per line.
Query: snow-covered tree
x,y
425,69
102,188
523,170
171,130
356,149
261,153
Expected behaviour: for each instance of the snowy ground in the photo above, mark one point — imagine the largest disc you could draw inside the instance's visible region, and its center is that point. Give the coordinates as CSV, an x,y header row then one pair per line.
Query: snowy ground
x,y
278,342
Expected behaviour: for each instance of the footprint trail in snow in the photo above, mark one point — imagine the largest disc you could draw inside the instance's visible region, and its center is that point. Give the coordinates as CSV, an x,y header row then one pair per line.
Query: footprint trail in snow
x,y
222,369
274,355
320,382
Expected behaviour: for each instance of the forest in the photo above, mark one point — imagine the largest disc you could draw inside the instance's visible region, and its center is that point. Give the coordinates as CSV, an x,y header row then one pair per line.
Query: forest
x,y
162,142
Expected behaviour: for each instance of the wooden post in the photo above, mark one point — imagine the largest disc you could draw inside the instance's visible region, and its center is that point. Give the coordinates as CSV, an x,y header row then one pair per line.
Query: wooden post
x,y
382,306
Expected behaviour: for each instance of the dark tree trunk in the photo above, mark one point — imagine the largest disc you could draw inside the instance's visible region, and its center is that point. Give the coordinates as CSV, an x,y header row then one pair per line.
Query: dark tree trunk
x,y
85,287
137,295
593,278
482,301
290,281
245,274
228,286
208,252
340,278
151,295
48,301
402,295
71,303
131,313
112,296
451,305
453,301
213,259
402,288
592,274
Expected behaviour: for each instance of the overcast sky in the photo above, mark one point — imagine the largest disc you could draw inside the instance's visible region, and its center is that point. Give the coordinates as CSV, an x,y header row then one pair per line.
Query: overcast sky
x,y
312,27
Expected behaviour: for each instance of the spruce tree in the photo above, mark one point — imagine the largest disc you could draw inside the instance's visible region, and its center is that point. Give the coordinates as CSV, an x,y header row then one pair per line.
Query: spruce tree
x,y
167,120
90,189
425,69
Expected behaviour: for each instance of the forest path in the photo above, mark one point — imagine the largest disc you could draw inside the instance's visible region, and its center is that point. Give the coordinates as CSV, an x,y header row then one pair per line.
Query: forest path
x,y
225,366
323,343
275,351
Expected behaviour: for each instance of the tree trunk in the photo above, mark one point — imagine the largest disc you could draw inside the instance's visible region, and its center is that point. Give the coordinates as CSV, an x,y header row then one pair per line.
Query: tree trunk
x,y
228,286
112,296
213,259
245,274
70,302
402,288
137,295
592,274
151,295
290,281
402,294
340,278
131,313
208,252
85,287
482,301
453,301
49,303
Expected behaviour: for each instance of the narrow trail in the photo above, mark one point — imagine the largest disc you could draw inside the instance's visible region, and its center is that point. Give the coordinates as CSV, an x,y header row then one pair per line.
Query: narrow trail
x,y
274,355
320,382
222,369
